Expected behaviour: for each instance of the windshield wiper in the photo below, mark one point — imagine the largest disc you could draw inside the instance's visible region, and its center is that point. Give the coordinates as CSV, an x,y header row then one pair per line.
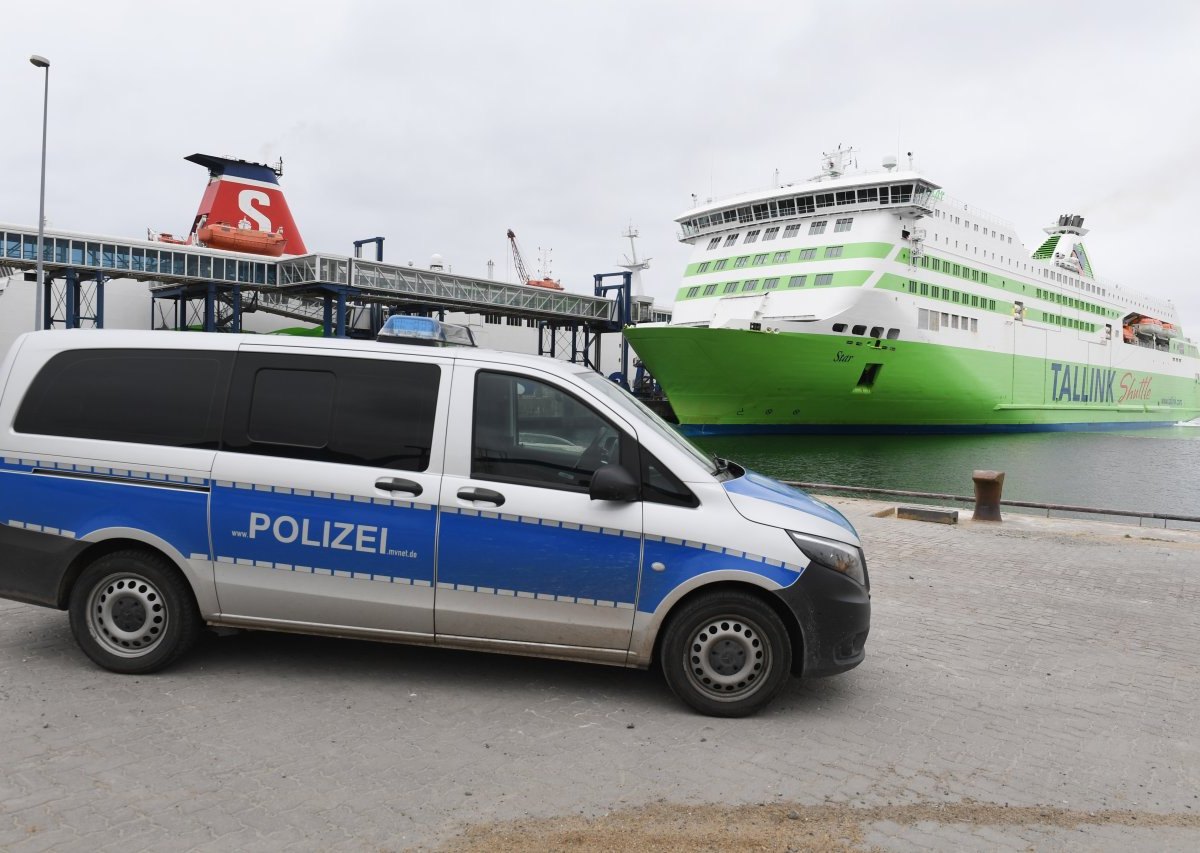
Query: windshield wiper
x,y
720,465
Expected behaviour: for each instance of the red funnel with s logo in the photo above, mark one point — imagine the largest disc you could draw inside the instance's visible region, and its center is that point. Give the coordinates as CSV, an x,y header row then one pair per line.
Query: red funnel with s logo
x,y
244,209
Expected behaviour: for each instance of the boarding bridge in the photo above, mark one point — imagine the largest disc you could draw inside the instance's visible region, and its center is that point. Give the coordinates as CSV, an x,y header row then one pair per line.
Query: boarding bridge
x,y
315,287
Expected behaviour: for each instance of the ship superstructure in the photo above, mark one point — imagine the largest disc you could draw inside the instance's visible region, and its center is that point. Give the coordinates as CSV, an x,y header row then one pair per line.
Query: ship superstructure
x,y
873,301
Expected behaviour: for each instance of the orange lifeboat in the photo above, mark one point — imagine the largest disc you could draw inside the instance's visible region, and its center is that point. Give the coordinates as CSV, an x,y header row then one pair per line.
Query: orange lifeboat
x,y
243,238
548,283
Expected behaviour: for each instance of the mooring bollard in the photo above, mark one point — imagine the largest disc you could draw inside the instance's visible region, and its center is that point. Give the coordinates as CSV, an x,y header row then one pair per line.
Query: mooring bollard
x,y
988,486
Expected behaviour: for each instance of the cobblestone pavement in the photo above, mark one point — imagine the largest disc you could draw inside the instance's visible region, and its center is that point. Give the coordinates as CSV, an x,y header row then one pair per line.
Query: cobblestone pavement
x,y
1049,663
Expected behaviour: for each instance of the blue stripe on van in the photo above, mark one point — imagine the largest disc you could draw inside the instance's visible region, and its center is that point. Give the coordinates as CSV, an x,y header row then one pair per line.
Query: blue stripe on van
x,y
683,561
490,551
77,507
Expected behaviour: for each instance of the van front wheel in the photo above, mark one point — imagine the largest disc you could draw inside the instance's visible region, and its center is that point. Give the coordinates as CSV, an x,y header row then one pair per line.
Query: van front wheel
x,y
132,612
726,654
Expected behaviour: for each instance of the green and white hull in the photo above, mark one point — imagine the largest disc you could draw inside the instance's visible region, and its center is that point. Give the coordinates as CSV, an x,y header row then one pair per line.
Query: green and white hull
x,y
917,314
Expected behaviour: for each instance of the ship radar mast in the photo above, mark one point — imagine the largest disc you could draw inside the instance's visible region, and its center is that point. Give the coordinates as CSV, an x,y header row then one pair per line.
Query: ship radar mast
x,y
835,163
632,263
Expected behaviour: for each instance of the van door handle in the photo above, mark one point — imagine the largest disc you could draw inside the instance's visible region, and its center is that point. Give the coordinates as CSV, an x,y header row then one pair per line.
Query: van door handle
x,y
481,495
398,484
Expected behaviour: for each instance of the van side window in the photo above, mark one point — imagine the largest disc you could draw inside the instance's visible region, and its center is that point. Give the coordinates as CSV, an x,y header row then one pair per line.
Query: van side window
x,y
661,486
530,433
378,413
144,396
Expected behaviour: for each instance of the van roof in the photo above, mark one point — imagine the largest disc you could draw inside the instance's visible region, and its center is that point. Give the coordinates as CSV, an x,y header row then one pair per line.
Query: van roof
x,y
73,339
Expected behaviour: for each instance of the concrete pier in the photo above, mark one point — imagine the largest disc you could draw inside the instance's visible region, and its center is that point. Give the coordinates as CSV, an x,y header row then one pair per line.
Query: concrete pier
x,y
1029,684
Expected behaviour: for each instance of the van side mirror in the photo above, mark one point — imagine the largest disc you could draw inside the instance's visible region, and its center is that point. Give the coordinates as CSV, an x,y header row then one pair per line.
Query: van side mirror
x,y
614,483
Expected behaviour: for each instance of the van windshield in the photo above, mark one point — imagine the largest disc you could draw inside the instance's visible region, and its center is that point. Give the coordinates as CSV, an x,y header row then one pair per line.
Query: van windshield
x,y
644,414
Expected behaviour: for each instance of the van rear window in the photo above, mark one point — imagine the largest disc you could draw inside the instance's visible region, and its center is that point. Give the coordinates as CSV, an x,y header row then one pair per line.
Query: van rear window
x,y
144,396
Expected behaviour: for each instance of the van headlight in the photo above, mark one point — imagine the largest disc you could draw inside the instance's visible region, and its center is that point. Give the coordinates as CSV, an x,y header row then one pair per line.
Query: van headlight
x,y
832,555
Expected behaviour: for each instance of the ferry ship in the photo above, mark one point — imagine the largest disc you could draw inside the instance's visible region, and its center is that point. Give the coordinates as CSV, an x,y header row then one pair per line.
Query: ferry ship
x,y
871,301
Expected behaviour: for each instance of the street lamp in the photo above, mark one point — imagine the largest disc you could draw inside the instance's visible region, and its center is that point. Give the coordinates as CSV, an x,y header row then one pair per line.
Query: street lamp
x,y
41,62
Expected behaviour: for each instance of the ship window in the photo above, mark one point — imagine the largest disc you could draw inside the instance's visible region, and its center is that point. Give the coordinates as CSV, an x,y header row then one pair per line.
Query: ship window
x,y
751,284
731,287
937,265
945,319
877,331
751,236
954,296
807,254
702,268
975,275
892,334
713,243
953,321
741,262
824,200
719,265
791,230
974,301
744,215
823,279
730,240
771,233
839,327
937,292
859,330
779,258
922,318
818,227
843,224
833,251
710,290
845,197
974,325
797,281
871,194
771,284
912,286
924,289
761,211
692,291
760,259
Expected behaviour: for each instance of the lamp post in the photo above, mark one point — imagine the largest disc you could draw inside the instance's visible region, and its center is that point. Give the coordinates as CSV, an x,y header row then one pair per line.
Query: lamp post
x,y
41,62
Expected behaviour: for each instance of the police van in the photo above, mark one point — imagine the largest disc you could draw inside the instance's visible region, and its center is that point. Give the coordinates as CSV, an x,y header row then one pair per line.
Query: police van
x,y
154,483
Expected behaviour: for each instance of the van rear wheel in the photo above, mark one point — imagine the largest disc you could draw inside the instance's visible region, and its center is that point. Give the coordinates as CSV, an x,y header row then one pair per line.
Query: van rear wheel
x,y
131,612
726,654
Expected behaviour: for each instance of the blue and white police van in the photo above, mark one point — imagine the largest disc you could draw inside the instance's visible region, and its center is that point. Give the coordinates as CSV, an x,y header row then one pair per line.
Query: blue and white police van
x,y
154,483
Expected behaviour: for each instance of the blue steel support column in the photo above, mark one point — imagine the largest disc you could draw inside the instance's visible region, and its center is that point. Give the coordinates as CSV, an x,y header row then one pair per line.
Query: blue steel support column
x,y
100,303
341,312
71,300
47,301
210,307
237,309
180,313
327,323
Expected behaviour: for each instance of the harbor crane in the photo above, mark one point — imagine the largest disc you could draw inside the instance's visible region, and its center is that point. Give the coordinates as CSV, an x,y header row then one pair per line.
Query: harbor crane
x,y
522,273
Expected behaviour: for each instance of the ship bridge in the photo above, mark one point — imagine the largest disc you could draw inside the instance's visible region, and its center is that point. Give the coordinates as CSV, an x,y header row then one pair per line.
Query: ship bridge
x,y
905,193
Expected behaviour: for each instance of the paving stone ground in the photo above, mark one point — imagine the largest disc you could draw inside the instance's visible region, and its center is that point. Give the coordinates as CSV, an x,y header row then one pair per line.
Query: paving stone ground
x,y
1032,663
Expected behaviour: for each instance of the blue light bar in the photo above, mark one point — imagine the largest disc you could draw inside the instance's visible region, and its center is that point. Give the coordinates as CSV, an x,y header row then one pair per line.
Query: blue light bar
x,y
424,331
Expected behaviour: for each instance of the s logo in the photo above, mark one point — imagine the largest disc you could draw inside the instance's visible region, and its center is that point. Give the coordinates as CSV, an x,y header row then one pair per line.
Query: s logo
x,y
246,201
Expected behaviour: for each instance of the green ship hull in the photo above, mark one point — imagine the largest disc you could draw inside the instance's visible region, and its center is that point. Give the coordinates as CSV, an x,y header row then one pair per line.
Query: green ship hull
x,y
735,381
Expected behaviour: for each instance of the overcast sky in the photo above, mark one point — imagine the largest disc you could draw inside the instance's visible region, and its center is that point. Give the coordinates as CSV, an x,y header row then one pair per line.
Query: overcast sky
x,y
440,125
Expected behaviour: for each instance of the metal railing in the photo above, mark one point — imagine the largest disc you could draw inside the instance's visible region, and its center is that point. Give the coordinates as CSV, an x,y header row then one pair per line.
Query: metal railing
x,y
1049,507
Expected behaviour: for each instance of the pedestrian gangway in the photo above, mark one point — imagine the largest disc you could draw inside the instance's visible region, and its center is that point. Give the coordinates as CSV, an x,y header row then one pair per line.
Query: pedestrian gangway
x,y
315,286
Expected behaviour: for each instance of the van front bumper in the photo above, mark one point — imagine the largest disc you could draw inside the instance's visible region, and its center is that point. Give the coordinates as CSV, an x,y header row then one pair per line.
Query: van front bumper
x,y
834,615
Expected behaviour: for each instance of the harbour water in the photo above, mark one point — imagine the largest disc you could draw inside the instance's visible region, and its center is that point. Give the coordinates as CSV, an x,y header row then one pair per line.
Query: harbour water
x,y
1148,470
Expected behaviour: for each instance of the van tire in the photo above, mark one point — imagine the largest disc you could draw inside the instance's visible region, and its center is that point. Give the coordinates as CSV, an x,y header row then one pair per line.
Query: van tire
x,y
726,654
132,612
